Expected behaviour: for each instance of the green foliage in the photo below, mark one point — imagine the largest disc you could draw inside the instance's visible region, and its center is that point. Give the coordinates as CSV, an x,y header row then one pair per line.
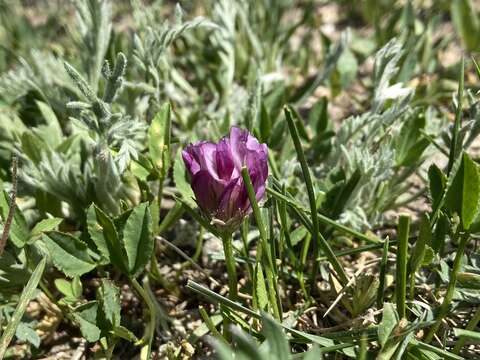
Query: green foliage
x,y
98,99
462,196
138,240
466,22
68,253
25,297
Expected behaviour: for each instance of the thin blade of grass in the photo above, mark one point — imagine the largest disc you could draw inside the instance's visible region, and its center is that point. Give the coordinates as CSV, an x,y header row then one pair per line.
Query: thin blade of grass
x,y
25,298
318,239
401,271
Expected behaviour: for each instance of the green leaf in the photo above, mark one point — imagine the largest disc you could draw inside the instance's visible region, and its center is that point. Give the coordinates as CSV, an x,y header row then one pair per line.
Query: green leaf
x,y
364,293
109,299
464,193
33,146
298,235
45,225
25,333
471,191
159,138
95,231
77,287
68,253
260,288
468,280
65,287
116,251
138,239
181,182
475,335
428,257
86,317
347,67
437,181
410,143
441,230
313,354
13,274
124,333
466,22
53,129
389,321
277,341
139,171
25,297
318,116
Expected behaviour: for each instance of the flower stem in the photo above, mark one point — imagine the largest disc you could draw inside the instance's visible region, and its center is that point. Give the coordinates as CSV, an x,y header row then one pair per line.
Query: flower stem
x,y
230,263
264,249
150,331
443,310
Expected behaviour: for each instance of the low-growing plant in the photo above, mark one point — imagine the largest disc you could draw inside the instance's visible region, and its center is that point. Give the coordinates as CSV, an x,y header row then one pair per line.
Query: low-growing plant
x,y
180,186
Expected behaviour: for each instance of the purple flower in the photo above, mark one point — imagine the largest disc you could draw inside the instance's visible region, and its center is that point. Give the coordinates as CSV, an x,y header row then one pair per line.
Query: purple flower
x,y
216,178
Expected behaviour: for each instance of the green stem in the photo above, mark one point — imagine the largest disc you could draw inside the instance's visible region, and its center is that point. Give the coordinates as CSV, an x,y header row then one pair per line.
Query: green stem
x,y
401,279
230,263
244,237
318,239
210,325
111,347
269,269
383,272
443,309
199,246
150,331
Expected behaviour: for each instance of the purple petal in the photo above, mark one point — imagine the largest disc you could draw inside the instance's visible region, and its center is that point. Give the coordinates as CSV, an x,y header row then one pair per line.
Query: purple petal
x,y
224,161
202,157
238,143
207,191
190,162
229,206
216,178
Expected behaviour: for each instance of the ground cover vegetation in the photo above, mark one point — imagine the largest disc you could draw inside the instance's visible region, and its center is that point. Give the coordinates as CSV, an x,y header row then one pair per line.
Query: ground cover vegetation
x,y
273,179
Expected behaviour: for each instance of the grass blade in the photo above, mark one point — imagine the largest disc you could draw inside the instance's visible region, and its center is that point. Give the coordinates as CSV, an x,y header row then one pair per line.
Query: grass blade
x,y
454,146
25,298
383,271
401,279
318,239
